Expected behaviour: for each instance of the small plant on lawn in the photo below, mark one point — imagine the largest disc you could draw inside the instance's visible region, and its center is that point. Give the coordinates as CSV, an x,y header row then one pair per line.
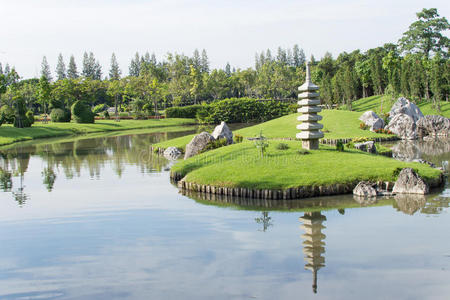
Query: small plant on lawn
x,y
340,146
238,138
282,146
363,126
303,152
261,143
216,144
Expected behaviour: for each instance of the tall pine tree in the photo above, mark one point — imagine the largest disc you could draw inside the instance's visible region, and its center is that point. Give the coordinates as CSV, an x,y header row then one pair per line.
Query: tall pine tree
x,y
61,68
45,69
72,71
114,72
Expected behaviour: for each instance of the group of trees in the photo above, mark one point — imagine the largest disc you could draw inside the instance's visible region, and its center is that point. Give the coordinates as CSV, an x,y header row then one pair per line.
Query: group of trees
x,y
416,67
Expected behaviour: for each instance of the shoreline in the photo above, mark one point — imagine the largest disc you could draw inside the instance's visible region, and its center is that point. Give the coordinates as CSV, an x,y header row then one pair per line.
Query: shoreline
x,y
300,192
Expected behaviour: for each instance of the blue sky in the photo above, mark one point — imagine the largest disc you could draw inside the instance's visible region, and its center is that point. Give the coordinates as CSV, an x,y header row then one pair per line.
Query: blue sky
x,y
229,30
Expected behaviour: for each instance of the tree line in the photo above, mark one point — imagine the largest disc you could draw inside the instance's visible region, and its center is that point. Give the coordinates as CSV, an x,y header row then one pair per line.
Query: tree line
x,y
417,67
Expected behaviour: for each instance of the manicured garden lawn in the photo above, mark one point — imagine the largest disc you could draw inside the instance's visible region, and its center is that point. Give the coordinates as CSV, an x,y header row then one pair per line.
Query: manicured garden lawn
x,y
240,165
374,103
10,134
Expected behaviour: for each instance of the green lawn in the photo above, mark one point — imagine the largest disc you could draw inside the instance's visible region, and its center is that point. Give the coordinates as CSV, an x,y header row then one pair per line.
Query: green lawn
x,y
338,124
240,165
374,103
10,134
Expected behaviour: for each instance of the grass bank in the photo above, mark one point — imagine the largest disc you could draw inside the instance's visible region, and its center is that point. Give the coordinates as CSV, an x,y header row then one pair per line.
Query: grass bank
x,y
376,102
10,134
338,124
240,166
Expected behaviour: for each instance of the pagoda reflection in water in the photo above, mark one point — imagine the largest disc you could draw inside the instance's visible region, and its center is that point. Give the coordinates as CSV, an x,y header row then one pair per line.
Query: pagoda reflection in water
x,y
313,243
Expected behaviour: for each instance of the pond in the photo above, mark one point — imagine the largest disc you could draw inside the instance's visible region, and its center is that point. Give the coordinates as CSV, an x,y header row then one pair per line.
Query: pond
x,y
98,218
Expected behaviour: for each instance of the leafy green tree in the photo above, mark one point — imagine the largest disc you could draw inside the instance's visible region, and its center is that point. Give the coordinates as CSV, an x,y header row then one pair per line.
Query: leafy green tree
x,y
135,66
44,94
425,35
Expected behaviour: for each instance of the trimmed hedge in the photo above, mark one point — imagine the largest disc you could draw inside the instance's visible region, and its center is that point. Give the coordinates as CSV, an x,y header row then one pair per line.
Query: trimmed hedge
x,y
240,110
59,115
189,112
82,113
7,114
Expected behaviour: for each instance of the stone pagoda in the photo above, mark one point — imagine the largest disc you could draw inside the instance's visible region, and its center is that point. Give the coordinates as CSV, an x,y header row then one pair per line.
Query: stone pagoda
x,y
309,101
313,243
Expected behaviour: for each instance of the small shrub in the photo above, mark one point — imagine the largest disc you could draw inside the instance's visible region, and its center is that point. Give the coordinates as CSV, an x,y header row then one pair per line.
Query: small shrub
x,y
293,108
340,146
282,146
7,113
350,145
30,116
106,115
363,126
82,113
361,140
216,144
303,152
140,116
59,115
238,138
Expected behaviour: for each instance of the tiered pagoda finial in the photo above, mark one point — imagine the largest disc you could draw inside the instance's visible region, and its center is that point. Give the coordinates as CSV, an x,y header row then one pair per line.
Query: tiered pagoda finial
x,y
309,101
313,244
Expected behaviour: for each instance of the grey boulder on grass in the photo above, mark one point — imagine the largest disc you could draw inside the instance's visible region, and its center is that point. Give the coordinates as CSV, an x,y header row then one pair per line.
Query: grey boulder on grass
x,y
222,131
197,144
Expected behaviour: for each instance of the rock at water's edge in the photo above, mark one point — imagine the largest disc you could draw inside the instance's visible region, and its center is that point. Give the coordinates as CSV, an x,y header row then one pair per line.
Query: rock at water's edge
x,y
409,182
197,144
371,119
172,153
367,147
222,131
433,125
404,106
403,126
365,189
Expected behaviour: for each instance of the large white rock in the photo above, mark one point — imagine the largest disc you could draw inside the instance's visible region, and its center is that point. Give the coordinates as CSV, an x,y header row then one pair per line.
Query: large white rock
x,y
408,182
172,153
197,144
371,119
403,126
404,106
222,131
433,126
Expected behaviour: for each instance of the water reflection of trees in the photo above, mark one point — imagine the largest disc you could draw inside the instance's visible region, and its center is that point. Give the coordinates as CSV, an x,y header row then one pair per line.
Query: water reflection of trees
x,y
264,220
71,158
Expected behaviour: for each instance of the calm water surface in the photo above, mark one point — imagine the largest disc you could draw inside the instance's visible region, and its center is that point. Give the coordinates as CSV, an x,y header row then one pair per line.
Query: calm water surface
x,y
99,219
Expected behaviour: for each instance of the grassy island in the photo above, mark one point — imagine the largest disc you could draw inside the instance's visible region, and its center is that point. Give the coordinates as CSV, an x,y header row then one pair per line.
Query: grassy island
x,y
241,166
10,134
338,124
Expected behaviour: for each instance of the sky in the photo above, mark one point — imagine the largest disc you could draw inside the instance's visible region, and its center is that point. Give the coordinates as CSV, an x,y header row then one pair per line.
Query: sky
x,y
230,30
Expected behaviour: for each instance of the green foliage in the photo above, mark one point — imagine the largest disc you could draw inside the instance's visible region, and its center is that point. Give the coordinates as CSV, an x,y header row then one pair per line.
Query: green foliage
x,y
81,113
216,144
59,115
238,138
183,111
30,116
363,126
7,114
99,108
340,146
106,115
282,146
238,110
